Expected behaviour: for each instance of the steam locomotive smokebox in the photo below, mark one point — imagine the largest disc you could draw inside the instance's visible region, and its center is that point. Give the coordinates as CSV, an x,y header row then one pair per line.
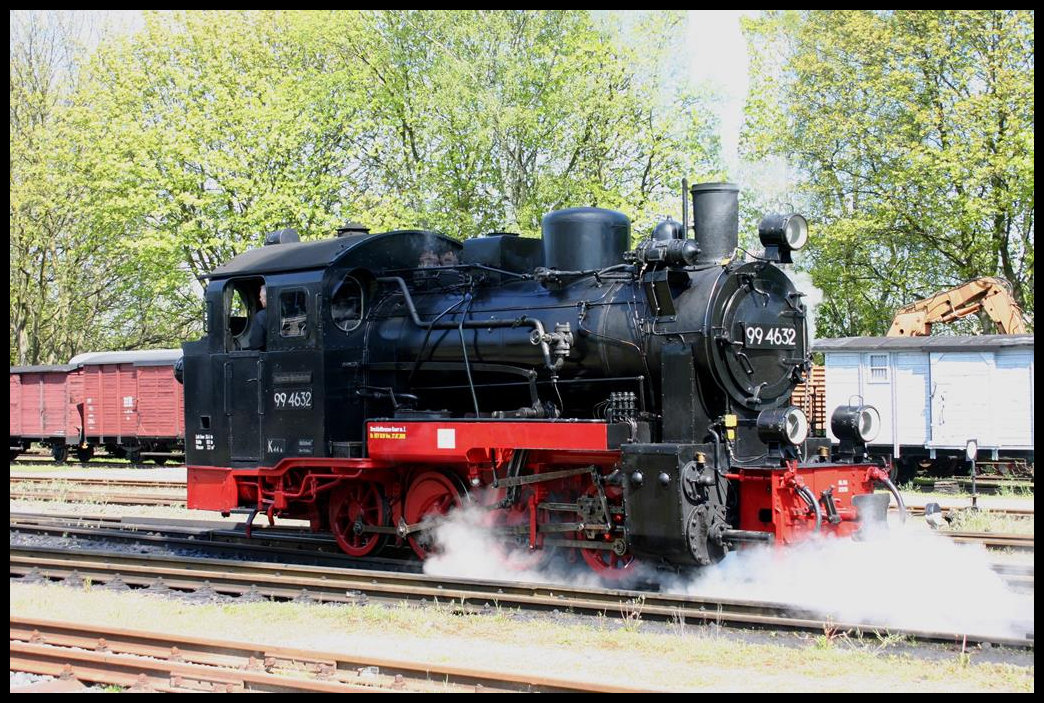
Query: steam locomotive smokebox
x,y
715,210
585,238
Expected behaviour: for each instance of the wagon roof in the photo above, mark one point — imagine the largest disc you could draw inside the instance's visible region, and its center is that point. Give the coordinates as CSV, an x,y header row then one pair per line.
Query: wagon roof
x,y
144,357
929,344
63,368
300,256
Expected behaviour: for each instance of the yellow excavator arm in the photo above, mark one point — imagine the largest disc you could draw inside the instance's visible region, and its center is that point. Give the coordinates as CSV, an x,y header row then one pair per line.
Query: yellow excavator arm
x,y
992,295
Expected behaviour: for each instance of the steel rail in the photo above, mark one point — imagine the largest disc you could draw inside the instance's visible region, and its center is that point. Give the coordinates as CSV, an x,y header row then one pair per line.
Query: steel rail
x,y
70,496
268,543
283,581
187,662
992,540
146,462
918,510
81,481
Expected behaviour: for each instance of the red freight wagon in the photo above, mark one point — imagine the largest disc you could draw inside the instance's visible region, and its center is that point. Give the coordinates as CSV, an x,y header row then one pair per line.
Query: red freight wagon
x,y
40,409
131,403
127,402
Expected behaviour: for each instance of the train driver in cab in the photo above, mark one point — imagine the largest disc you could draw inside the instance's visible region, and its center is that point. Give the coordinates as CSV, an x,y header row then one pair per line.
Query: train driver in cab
x,y
429,258
259,325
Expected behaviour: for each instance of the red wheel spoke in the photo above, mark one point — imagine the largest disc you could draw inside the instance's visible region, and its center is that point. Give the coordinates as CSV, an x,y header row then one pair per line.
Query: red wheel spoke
x,y
430,494
353,506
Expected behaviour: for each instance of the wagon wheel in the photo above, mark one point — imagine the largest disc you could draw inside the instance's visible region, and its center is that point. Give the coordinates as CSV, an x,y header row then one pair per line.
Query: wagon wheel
x,y
134,455
430,494
84,454
605,562
59,452
14,454
159,460
352,507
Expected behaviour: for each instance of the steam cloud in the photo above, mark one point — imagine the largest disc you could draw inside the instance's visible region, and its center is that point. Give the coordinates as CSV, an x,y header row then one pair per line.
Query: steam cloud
x,y
900,578
469,548
813,297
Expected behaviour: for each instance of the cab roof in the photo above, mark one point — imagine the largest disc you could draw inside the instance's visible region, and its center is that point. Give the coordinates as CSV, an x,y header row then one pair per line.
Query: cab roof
x,y
397,249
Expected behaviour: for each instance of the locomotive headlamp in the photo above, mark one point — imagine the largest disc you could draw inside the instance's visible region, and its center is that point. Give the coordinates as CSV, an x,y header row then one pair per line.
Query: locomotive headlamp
x,y
856,423
782,234
780,425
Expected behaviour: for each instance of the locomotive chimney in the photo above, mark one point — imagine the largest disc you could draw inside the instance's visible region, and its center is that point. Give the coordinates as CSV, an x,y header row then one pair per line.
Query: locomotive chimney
x,y
715,212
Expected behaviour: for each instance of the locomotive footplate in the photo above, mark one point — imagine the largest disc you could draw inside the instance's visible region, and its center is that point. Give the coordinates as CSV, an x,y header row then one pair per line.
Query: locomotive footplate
x,y
459,440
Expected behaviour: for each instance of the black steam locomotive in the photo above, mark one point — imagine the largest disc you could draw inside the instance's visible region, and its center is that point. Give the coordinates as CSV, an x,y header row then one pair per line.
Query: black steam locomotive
x,y
601,401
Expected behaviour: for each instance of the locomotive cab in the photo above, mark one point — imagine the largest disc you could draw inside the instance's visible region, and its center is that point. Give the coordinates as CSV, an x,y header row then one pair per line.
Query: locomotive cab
x,y
295,394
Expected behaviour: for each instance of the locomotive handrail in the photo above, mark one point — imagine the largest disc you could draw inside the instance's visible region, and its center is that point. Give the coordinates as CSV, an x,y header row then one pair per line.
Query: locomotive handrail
x,y
474,324
467,265
528,374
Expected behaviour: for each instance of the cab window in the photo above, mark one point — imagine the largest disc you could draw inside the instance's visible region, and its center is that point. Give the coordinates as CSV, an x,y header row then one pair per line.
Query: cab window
x,y
346,304
241,300
293,314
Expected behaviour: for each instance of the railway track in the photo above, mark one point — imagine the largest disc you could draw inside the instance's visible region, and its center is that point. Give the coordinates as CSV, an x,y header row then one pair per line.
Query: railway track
x,y
106,483
30,487
286,545
163,662
289,582
983,486
993,540
98,490
294,544
95,497
98,462
300,545
918,510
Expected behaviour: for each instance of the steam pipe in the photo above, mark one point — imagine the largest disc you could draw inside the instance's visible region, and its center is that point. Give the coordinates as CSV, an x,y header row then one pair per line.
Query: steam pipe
x,y
747,536
475,324
898,498
464,351
805,493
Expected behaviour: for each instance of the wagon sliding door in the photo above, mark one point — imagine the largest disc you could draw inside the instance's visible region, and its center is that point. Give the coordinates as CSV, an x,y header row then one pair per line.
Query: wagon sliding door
x,y
962,399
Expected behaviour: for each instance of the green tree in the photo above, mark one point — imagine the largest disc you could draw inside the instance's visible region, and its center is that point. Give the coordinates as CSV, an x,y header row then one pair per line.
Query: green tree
x,y
489,119
69,267
177,147
913,135
235,125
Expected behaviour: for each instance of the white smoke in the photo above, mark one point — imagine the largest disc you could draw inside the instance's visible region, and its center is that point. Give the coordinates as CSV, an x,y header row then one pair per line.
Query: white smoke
x,y
899,579
468,546
802,280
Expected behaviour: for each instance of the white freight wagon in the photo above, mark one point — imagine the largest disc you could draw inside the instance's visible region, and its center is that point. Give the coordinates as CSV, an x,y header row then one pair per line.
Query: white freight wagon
x,y
936,393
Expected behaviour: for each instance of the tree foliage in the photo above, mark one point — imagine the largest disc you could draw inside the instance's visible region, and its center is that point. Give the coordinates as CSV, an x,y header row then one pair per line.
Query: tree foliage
x,y
73,280
913,133
177,147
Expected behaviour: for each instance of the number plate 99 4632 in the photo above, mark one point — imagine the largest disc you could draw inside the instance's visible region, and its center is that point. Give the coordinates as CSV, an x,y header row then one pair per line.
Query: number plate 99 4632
x,y
292,400
770,337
